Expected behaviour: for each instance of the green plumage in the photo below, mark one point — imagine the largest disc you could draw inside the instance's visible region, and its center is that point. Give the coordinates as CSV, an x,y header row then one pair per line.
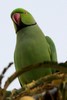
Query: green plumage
x,y
32,46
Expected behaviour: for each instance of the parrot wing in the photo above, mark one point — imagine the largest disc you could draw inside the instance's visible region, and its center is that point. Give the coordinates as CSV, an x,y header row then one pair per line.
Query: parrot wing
x,y
53,54
52,48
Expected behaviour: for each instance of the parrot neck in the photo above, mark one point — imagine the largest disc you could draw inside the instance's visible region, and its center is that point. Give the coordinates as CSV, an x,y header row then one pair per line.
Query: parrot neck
x,y
29,31
22,26
28,28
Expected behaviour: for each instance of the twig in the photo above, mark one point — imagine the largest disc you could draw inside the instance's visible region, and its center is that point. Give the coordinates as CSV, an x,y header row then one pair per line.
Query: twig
x,y
54,65
46,79
62,67
4,71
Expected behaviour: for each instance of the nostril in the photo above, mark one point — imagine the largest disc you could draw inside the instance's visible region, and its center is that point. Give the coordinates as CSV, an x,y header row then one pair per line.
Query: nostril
x,y
16,18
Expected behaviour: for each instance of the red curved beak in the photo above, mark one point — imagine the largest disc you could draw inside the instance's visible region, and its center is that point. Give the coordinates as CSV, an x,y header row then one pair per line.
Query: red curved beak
x,y
16,18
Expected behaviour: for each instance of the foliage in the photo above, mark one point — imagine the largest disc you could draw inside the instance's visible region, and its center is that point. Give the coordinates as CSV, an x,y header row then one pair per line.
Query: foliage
x,y
50,87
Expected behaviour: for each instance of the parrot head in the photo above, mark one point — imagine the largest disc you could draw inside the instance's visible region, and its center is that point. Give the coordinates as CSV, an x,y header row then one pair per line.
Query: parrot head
x,y
22,18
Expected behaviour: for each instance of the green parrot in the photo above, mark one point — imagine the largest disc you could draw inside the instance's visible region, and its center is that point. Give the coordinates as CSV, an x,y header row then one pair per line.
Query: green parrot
x,y
32,46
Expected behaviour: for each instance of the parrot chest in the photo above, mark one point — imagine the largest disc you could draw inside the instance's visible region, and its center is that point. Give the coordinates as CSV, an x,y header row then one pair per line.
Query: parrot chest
x,y
31,50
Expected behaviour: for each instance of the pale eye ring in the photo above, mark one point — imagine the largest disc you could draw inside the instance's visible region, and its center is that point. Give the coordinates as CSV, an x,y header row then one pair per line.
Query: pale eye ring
x,y
25,12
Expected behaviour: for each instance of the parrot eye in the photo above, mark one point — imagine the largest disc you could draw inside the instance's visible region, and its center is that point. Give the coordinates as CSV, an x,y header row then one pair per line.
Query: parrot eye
x,y
25,12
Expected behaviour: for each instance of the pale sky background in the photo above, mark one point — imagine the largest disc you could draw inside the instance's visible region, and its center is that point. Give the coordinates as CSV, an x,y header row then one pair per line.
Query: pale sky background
x,y
51,16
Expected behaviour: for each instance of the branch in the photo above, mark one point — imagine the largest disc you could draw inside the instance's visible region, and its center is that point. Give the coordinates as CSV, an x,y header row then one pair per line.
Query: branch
x,y
54,65
62,67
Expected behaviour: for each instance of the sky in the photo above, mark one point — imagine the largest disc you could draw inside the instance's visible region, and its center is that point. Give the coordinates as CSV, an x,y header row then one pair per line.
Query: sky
x,y
51,16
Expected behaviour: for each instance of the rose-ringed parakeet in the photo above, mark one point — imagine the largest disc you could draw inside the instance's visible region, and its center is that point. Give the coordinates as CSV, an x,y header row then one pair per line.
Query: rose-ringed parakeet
x,y
32,46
